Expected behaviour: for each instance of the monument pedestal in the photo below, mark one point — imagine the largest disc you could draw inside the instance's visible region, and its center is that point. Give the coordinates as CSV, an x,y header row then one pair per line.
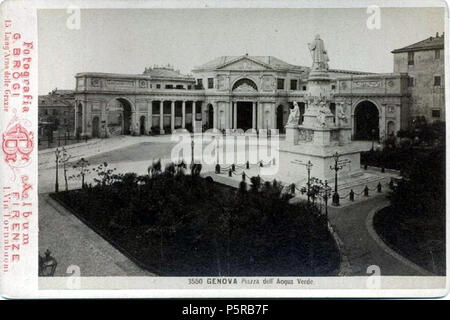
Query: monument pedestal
x,y
322,134
293,156
292,133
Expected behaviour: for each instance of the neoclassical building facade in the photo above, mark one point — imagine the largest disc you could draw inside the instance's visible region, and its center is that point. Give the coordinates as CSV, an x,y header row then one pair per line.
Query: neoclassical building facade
x,y
232,92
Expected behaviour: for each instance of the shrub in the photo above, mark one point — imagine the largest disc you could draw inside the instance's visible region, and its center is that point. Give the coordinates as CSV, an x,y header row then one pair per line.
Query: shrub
x,y
187,225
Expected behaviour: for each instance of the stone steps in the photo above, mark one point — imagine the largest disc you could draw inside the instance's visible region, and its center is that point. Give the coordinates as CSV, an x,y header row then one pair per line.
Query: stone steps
x,y
361,182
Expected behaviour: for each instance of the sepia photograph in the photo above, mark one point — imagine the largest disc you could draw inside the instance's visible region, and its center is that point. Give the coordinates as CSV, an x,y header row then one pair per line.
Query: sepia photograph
x,y
233,147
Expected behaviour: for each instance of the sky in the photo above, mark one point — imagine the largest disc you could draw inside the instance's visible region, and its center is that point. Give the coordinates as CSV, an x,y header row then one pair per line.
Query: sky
x,y
127,41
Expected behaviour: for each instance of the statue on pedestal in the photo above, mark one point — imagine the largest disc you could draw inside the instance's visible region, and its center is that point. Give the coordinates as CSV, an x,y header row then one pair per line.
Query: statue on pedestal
x,y
294,115
319,54
342,114
322,112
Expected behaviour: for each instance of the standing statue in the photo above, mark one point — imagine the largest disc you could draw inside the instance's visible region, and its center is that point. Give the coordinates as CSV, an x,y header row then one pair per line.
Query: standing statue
x,y
319,54
294,115
341,113
322,112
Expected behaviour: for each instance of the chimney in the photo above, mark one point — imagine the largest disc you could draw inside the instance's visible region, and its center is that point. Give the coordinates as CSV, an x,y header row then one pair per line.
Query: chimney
x,y
437,34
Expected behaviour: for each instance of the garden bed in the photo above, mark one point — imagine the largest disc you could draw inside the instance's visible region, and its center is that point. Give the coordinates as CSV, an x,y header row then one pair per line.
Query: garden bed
x,y
182,225
412,238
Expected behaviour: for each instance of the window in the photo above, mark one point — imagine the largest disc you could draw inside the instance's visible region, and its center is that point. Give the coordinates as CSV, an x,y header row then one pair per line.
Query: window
x,y
200,83
155,108
169,86
189,87
210,83
198,112
410,58
304,88
437,54
280,84
436,113
411,82
179,86
333,87
437,81
293,84
158,86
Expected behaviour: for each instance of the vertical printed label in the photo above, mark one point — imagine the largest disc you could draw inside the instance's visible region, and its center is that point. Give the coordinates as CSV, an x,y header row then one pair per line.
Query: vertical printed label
x,y
19,148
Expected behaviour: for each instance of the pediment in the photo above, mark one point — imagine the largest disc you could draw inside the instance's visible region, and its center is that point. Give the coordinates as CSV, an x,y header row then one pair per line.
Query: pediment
x,y
244,64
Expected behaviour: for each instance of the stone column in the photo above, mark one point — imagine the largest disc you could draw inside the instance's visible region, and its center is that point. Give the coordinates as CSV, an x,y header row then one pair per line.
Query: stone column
x,y
134,116
161,117
149,115
260,124
84,119
254,115
172,116
230,115
103,123
193,115
216,116
183,111
76,120
273,109
235,115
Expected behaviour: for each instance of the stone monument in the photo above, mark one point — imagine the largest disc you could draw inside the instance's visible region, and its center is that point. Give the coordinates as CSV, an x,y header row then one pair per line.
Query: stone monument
x,y
322,133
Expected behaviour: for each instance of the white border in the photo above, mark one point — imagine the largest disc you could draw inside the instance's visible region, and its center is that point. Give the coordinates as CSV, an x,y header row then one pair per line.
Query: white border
x,y
404,282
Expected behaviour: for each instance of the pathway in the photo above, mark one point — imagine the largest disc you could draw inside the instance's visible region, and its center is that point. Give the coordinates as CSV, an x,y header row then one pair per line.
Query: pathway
x,y
361,249
71,242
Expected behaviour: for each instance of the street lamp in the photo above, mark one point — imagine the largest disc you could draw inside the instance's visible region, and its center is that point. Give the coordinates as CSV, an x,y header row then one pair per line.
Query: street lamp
x,y
308,166
338,165
192,156
47,265
373,138
57,154
326,195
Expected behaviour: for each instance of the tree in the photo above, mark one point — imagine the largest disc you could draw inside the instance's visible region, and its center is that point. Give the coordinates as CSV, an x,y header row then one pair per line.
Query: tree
x,y
105,175
256,184
82,166
64,159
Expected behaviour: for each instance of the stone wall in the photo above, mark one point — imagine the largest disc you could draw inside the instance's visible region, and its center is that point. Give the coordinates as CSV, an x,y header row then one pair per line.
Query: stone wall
x,y
425,96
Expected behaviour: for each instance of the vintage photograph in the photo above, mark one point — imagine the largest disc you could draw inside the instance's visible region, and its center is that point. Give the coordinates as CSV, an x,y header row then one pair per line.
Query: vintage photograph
x,y
241,147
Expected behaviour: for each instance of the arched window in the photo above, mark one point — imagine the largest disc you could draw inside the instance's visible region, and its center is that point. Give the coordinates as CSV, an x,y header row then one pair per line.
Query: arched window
x,y
245,85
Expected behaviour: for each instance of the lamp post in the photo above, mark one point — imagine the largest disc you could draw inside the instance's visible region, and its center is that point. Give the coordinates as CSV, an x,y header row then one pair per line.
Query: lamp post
x,y
326,195
308,166
373,138
47,264
338,165
57,153
192,156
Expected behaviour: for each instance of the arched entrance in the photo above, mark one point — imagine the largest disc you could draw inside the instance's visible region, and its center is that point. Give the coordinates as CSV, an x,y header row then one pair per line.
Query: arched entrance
x,y
119,114
280,122
210,116
366,121
142,125
95,127
244,114
126,115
